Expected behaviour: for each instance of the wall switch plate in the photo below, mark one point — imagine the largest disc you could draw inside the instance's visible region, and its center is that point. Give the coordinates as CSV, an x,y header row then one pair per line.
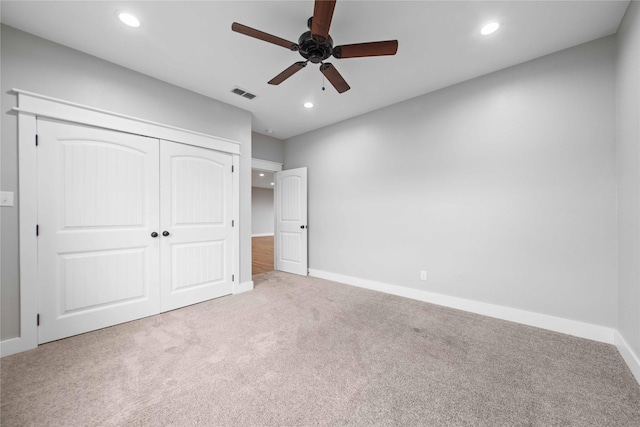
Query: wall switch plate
x,y
6,198
423,275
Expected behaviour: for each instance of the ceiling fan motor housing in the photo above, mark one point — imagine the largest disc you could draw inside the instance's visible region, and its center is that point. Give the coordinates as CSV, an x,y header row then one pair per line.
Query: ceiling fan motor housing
x,y
314,51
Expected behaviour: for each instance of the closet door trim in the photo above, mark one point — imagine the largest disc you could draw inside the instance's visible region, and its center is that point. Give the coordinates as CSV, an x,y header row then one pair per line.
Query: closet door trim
x,y
53,108
32,106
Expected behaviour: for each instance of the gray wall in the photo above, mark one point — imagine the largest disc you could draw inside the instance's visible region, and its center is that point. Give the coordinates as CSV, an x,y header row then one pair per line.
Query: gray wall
x,y
37,65
265,147
502,188
628,151
262,215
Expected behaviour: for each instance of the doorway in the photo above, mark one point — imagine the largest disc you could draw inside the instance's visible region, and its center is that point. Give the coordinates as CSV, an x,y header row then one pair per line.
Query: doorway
x,y
279,213
262,215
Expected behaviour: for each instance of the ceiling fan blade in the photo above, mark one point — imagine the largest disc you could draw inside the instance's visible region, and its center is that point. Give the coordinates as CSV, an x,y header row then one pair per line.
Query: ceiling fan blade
x,y
334,77
389,47
261,35
321,21
288,73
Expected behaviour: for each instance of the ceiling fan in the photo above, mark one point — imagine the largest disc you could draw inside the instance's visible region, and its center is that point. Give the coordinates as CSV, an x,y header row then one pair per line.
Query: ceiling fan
x,y
316,45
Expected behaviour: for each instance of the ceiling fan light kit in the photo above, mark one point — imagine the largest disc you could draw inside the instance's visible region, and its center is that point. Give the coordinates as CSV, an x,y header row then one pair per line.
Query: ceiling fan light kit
x,y
316,45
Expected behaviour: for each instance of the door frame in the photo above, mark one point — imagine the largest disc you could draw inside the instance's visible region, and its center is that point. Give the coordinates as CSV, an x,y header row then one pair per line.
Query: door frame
x,y
30,107
265,165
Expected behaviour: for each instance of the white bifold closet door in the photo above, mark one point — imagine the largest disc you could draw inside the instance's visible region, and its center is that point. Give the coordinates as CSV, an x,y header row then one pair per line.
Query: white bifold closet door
x,y
104,200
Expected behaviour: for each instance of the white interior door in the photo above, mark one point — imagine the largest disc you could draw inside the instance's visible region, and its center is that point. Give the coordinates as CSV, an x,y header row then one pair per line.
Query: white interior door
x,y
97,207
291,221
196,234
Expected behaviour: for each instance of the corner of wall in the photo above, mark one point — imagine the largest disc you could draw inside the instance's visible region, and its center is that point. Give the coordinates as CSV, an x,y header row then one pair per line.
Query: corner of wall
x,y
628,185
632,360
243,287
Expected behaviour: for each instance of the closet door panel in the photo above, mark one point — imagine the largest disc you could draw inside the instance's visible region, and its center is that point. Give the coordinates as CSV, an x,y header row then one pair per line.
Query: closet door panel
x,y
196,213
97,207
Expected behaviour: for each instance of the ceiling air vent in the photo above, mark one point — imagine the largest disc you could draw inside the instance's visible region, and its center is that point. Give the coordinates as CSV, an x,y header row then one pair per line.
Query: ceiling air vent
x,y
243,93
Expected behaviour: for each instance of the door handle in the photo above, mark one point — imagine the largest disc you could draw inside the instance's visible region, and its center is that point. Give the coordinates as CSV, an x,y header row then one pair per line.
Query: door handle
x,y
154,234
303,226
165,233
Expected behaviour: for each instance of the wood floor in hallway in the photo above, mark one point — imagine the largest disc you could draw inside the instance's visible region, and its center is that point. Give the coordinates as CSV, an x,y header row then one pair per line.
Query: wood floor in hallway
x,y
261,254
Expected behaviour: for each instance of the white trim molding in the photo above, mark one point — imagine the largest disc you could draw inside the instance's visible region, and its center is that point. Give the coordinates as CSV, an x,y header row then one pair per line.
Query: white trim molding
x,y
544,321
14,345
632,359
53,108
236,216
27,203
243,287
266,165
262,235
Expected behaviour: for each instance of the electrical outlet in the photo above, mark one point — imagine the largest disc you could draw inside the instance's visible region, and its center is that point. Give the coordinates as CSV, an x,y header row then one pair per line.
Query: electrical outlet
x,y
423,275
6,198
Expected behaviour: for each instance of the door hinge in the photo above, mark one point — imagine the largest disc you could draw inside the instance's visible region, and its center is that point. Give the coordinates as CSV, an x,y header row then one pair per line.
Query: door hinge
x,y
233,277
38,319
37,230
233,222
36,140
232,168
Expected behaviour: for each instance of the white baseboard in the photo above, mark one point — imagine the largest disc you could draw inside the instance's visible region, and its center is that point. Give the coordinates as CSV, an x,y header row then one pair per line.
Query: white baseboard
x,y
243,287
544,321
15,345
632,359
262,235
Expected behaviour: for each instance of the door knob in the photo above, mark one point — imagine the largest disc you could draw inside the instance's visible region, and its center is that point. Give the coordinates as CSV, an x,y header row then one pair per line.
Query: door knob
x,y
154,234
302,226
165,233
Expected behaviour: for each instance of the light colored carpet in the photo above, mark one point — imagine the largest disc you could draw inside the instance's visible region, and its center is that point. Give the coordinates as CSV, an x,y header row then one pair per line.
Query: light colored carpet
x,y
304,351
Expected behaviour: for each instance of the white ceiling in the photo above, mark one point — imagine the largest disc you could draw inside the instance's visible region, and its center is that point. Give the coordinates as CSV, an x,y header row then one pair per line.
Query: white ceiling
x,y
263,181
190,44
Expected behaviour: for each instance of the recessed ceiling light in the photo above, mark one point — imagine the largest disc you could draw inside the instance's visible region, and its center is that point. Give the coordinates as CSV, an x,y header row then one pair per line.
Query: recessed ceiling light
x,y
272,183
490,28
261,174
269,130
129,19
308,105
